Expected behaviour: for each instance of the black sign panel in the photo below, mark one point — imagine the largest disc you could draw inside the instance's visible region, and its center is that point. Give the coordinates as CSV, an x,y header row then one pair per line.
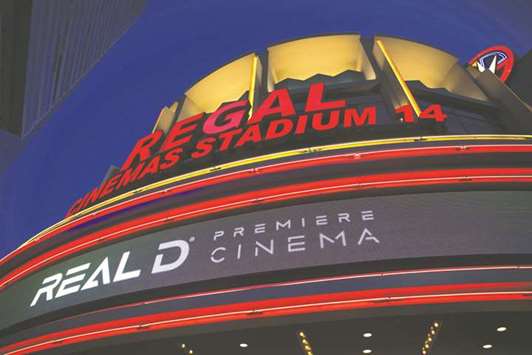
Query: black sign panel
x,y
326,233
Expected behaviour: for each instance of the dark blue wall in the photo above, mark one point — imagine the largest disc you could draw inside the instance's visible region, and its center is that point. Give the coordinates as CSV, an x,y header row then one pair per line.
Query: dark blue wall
x,y
175,43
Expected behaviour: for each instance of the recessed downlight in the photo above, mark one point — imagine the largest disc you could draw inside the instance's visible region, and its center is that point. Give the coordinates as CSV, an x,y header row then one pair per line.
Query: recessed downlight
x,y
305,343
367,335
367,351
244,345
487,346
430,338
502,329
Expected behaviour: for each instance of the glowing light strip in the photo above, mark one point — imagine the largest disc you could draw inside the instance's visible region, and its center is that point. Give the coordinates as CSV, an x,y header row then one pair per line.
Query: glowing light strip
x,y
252,82
399,77
259,159
266,196
267,309
431,337
346,158
318,280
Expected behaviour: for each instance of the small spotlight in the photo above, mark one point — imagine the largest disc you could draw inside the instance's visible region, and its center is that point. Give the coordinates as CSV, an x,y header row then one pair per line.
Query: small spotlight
x,y
502,329
183,346
191,352
487,346
367,351
367,335
301,334
244,345
436,324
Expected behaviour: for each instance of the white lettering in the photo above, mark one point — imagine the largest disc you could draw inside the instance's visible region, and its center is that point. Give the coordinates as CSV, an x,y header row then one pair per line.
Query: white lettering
x,y
217,235
63,289
120,274
366,235
294,245
184,250
260,228
213,257
239,251
344,216
53,281
103,269
321,220
263,247
340,236
367,215
287,224
238,231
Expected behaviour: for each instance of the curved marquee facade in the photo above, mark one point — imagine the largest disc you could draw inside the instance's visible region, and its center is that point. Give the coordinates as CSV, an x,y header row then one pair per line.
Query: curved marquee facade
x,y
322,178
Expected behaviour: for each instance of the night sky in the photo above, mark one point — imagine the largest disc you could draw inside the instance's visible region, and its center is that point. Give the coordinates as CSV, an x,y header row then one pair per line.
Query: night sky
x,y
175,43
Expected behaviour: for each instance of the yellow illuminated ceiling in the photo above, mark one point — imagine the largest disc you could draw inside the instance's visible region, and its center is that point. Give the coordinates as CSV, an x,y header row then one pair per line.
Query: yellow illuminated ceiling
x,y
433,67
401,95
226,84
166,118
328,55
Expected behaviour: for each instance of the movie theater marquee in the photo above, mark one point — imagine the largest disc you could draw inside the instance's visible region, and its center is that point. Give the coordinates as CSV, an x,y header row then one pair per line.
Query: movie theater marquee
x,y
231,128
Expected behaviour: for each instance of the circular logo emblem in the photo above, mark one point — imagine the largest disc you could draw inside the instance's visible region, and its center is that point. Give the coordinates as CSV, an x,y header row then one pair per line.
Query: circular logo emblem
x,y
497,59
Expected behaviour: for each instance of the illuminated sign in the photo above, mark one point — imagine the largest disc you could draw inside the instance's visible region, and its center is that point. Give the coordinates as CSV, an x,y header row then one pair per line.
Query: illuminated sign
x,y
498,59
229,131
281,239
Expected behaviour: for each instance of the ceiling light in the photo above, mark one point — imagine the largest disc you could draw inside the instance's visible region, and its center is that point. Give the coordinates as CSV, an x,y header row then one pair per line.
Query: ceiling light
x,y
502,329
366,351
487,346
244,345
367,335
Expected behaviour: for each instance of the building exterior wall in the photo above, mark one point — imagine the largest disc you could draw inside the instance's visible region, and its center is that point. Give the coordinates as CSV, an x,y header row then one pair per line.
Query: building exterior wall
x,y
49,46
276,186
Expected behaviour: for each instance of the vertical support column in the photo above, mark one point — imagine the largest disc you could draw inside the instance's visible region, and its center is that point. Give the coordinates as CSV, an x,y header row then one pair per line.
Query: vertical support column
x,y
253,83
517,114
395,86
166,118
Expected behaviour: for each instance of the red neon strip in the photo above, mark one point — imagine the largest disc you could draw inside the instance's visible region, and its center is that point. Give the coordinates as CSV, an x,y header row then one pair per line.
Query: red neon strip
x,y
266,196
310,281
407,296
349,158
